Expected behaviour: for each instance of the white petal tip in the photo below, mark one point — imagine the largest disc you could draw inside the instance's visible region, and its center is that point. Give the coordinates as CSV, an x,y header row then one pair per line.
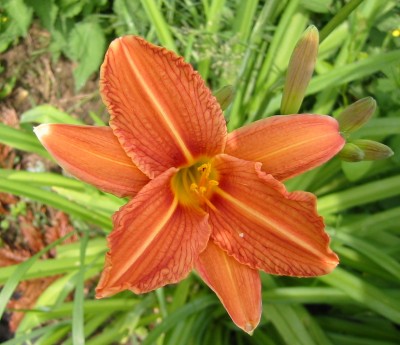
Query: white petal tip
x,y
41,131
249,328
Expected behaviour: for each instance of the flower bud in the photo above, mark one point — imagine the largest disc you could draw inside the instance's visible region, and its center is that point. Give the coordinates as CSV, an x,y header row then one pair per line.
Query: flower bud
x,y
356,115
224,96
300,70
373,150
351,153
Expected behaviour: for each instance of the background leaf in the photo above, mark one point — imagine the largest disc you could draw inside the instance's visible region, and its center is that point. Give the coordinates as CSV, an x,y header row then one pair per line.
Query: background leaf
x,y
86,45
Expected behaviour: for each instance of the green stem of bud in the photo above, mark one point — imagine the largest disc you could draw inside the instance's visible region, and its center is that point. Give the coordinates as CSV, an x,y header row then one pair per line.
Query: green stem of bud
x,y
351,153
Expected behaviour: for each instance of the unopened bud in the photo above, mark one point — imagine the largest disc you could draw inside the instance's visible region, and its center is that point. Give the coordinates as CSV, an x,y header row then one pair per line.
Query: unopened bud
x,y
373,150
356,115
300,70
351,153
224,96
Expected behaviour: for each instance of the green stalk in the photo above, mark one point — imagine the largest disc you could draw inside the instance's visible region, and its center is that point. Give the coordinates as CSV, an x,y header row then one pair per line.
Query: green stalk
x,y
368,295
191,308
25,338
309,295
54,336
276,44
245,80
54,200
21,140
372,224
20,271
339,18
383,260
360,195
161,26
213,17
42,179
47,268
78,320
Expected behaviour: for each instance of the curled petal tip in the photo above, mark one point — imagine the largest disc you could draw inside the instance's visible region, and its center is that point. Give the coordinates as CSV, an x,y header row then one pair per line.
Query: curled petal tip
x,y
94,155
249,328
332,264
41,131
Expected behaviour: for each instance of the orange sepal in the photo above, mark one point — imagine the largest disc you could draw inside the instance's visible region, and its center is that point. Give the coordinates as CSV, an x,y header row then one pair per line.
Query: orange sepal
x,y
287,145
262,225
237,286
161,110
93,155
154,242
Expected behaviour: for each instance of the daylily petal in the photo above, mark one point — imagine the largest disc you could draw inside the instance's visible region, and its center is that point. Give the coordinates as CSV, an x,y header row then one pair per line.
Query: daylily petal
x,y
237,286
94,155
154,242
261,224
161,111
287,145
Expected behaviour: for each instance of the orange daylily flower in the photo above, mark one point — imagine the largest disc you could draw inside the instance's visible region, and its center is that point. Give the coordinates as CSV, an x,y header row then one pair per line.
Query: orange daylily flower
x,y
200,198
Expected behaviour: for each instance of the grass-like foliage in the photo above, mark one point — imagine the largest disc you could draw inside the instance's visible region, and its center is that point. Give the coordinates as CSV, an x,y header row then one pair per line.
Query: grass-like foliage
x,y
246,44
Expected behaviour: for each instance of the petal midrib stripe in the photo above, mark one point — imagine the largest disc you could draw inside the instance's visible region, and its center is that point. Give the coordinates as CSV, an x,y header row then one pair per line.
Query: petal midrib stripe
x,y
145,244
102,157
164,114
290,147
271,224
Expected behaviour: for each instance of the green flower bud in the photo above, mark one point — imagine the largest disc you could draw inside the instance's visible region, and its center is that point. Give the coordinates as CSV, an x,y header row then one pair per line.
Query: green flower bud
x,y
356,115
224,96
351,153
300,70
373,150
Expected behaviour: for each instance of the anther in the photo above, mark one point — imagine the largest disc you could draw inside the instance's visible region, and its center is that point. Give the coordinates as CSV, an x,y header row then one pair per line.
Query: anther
x,y
213,183
194,187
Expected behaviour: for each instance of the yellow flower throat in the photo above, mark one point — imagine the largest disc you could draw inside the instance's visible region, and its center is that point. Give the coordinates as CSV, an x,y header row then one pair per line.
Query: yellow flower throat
x,y
194,185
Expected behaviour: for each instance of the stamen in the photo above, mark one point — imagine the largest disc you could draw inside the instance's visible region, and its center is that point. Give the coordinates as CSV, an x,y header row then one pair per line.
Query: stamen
x,y
213,183
197,188
210,205
194,187
205,172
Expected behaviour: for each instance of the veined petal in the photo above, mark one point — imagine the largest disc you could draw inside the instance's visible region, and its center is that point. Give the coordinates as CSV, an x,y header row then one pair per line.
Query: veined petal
x,y
262,225
94,155
154,242
161,111
237,286
287,145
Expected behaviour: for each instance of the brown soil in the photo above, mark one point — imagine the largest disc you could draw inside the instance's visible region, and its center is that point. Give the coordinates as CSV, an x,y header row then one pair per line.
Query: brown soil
x,y
39,79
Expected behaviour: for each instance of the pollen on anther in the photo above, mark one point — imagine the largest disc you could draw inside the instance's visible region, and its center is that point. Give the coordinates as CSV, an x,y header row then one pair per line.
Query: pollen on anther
x,y
212,183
